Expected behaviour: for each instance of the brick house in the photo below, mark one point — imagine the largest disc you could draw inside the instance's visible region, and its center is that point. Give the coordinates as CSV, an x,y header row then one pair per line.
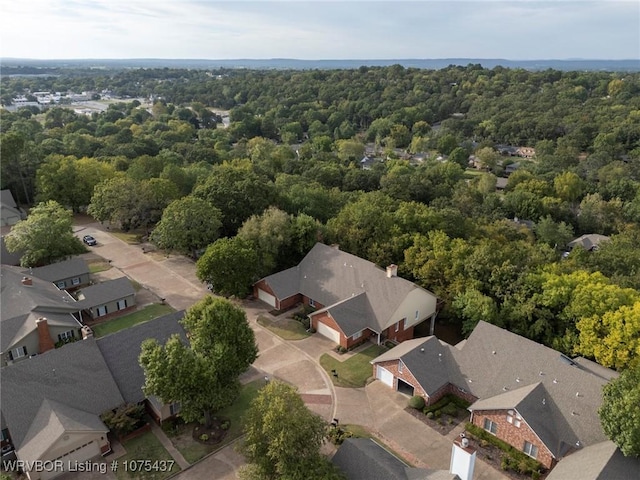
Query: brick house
x,y
531,396
354,298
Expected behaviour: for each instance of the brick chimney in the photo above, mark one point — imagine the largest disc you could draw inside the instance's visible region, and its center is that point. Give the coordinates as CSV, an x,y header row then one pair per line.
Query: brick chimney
x,y
45,342
392,271
27,281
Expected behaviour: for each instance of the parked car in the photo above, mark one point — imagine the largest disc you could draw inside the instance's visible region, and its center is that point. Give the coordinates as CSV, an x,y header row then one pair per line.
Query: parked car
x,y
89,240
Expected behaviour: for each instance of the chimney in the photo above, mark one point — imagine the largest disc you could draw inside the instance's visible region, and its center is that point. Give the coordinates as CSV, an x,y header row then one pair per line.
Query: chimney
x,y
392,271
86,332
463,458
45,343
27,281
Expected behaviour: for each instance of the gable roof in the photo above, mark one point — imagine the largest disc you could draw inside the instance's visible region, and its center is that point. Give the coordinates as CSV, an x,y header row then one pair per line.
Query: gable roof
x,y
589,241
52,421
6,199
105,292
122,349
73,267
364,459
75,376
602,461
352,314
558,397
329,276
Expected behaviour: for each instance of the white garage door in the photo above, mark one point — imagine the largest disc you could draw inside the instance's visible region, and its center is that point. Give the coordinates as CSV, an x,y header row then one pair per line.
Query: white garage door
x,y
267,297
329,332
384,375
83,453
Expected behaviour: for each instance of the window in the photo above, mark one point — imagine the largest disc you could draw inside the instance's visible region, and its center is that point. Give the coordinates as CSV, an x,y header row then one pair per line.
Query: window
x,y
122,304
61,285
514,418
64,336
490,426
417,314
400,366
399,324
356,335
530,449
101,311
17,353
174,408
75,281
312,303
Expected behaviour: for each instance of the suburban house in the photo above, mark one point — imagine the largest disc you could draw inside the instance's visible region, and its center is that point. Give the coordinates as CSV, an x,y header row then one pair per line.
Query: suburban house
x,y
364,459
38,315
66,275
354,298
35,316
52,403
121,351
10,213
533,397
589,242
107,299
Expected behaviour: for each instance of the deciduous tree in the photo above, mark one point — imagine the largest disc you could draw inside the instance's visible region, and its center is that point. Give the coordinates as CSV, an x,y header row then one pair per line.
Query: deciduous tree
x,y
45,236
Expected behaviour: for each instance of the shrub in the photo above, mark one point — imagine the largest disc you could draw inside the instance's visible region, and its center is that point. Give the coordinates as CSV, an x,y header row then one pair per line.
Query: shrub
x,y
204,437
416,402
429,415
450,409
225,425
337,435
437,413
124,419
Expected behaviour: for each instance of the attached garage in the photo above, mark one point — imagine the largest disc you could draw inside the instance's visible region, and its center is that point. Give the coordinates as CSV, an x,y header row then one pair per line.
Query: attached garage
x,y
330,333
384,375
404,387
267,298
82,453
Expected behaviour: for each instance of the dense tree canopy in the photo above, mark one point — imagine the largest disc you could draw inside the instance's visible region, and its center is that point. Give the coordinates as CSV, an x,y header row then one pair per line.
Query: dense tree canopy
x,y
45,236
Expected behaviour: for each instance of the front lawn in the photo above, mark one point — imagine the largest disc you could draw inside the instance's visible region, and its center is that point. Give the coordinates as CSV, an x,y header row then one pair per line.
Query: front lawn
x,y
286,328
353,372
193,451
147,313
96,266
146,447
132,238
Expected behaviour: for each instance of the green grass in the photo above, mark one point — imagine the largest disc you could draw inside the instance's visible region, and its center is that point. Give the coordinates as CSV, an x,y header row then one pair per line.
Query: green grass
x,y
147,313
98,266
132,238
353,372
194,451
287,328
145,447
472,173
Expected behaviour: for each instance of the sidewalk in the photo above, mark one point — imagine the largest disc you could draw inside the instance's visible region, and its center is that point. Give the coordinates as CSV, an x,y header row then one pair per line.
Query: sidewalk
x,y
166,443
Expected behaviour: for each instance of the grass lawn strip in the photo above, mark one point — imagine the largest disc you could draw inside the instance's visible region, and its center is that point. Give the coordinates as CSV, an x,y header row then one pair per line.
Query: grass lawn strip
x,y
132,238
193,451
145,447
287,328
353,372
147,313
96,266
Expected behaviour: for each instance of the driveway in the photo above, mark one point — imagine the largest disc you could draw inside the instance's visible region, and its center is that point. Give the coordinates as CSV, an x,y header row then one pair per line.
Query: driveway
x,y
375,406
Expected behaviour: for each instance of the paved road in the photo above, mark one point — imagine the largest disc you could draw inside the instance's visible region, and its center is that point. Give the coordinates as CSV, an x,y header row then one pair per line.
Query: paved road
x,y
375,406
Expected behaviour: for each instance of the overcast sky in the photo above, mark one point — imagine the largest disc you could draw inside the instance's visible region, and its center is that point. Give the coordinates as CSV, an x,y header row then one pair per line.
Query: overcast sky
x,y
321,29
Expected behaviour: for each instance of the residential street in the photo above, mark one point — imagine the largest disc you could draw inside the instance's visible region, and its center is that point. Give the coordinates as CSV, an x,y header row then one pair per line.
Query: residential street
x,y
296,362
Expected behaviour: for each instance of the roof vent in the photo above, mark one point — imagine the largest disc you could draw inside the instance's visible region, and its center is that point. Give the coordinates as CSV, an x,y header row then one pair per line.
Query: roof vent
x,y
578,444
544,401
505,388
439,357
470,381
494,352
574,413
422,349
518,379
578,394
555,380
541,373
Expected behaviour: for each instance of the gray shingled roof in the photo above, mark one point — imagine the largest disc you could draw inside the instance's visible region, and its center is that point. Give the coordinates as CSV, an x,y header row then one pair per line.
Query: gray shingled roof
x,y
73,267
75,376
364,459
105,292
602,461
588,241
52,421
353,314
328,276
122,349
17,299
506,371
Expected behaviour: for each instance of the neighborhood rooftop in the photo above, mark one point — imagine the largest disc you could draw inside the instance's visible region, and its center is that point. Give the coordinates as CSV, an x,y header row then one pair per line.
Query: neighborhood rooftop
x,y
73,267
